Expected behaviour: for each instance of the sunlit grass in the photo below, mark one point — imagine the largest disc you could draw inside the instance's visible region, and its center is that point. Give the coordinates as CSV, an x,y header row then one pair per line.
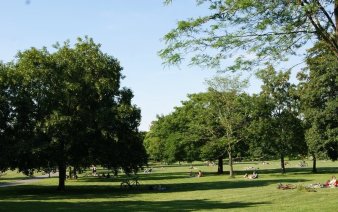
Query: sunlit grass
x,y
11,176
183,193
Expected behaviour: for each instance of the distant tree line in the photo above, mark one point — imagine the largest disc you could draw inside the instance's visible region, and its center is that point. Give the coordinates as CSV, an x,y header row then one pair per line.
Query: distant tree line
x,y
283,120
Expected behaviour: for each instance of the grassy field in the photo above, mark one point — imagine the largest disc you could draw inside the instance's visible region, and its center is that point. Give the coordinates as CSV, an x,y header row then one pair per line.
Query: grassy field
x,y
183,193
11,176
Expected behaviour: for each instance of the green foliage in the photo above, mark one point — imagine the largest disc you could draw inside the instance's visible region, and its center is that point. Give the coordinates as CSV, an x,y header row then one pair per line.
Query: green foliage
x,y
266,31
318,93
67,108
277,128
178,136
209,125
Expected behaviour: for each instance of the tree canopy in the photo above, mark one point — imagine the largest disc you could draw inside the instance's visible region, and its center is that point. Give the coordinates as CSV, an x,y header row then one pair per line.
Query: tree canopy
x,y
318,93
284,128
253,32
67,108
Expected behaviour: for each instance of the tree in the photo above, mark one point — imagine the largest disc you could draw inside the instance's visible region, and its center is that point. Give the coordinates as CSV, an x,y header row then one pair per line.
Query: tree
x,y
68,109
252,31
285,131
229,108
5,129
318,94
174,137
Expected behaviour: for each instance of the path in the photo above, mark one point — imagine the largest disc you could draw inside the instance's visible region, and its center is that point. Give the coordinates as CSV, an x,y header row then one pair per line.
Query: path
x,y
27,181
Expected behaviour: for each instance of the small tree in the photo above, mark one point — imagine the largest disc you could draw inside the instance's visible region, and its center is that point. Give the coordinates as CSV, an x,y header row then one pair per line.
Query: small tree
x,y
229,111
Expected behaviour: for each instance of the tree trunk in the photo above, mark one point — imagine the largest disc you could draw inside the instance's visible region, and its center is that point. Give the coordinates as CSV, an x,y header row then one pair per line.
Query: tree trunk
x,y
282,163
75,172
231,171
314,164
220,165
336,18
70,173
62,167
62,176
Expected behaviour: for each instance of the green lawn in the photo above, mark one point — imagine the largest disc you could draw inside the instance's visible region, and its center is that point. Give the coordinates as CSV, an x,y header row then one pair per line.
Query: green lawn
x,y
183,193
11,176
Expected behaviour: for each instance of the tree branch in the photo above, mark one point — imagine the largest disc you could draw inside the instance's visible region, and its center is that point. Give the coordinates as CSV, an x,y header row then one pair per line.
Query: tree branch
x,y
268,34
326,15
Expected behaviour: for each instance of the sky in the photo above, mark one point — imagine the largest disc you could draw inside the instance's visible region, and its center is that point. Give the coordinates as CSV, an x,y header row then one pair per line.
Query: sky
x,y
129,30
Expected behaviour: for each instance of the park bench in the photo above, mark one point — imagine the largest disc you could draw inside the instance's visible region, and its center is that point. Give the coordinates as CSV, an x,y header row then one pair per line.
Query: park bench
x,y
130,182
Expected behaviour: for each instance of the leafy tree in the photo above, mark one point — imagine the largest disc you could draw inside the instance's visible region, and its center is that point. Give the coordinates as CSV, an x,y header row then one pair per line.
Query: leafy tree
x,y
207,126
153,145
265,30
68,109
5,129
172,137
229,108
285,133
318,93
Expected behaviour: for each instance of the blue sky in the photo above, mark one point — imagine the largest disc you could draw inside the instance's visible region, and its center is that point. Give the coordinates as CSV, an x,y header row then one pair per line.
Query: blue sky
x,y
130,30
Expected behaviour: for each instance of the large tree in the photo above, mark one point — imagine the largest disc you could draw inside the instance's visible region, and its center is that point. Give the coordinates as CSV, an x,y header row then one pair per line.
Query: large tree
x,y
176,136
318,92
251,31
68,109
280,119
207,126
229,107
5,128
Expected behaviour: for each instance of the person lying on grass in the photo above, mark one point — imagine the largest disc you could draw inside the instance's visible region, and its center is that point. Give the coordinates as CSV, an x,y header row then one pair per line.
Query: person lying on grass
x,y
254,175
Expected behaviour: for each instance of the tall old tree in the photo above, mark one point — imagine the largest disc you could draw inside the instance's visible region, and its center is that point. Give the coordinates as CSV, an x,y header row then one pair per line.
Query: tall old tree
x,y
251,31
68,109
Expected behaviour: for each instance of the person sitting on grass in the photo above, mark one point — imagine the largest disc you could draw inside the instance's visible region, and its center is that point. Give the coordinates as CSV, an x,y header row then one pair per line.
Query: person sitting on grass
x,y
254,175
332,183
199,174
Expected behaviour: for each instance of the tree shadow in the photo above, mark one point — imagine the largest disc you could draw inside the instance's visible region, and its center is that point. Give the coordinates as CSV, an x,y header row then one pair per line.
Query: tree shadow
x,y
174,205
223,185
38,192
143,177
293,170
13,178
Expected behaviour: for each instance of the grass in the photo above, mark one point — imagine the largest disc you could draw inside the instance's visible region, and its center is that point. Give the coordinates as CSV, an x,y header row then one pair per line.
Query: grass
x,y
209,193
11,176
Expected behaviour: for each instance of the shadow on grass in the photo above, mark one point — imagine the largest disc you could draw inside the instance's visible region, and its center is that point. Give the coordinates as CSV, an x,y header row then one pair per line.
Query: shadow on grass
x,y
293,170
142,177
13,178
174,205
38,192
183,187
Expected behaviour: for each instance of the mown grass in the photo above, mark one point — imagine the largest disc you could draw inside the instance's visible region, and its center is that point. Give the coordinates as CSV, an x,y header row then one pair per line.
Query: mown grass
x,y
209,193
11,176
